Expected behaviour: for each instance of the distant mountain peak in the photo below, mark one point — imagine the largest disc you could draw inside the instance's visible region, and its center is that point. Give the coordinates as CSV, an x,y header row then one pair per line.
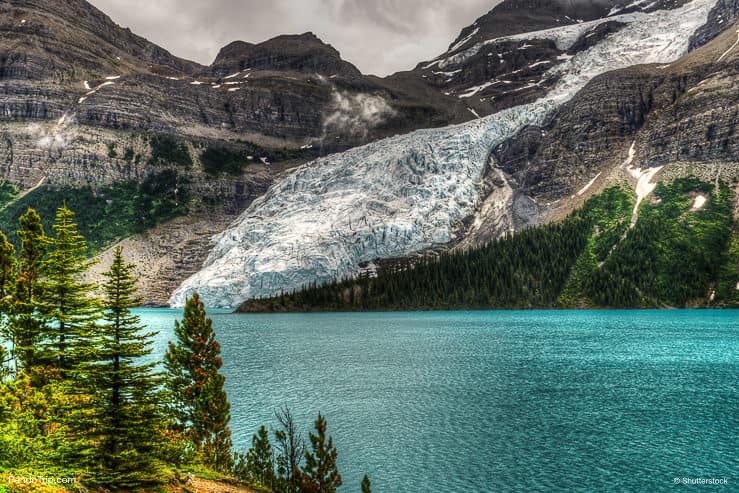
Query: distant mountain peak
x,y
304,52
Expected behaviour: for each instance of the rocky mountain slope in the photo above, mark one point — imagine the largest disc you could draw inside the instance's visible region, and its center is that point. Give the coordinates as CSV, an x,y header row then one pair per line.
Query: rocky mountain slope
x,y
467,184
68,72
551,100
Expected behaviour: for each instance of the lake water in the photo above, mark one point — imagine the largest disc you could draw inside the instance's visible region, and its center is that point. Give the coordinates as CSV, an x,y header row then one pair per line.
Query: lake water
x,y
495,401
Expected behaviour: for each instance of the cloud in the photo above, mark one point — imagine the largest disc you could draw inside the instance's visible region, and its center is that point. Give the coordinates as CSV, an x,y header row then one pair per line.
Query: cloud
x,y
55,139
356,114
378,36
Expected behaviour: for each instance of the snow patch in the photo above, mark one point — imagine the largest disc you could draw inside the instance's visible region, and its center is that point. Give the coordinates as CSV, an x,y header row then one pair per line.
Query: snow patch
x,y
590,184
474,113
474,90
232,75
699,203
643,177
465,40
730,48
113,77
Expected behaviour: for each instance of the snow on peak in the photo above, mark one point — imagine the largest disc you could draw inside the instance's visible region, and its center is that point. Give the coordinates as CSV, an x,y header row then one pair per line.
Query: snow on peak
x,y
404,194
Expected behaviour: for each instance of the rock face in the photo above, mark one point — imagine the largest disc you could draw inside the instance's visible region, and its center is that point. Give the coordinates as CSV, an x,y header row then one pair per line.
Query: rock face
x,y
403,195
303,53
66,59
723,14
504,58
687,111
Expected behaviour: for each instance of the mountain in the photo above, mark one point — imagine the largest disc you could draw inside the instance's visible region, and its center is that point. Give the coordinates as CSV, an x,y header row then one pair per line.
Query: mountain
x,y
601,119
307,171
65,65
303,53
90,110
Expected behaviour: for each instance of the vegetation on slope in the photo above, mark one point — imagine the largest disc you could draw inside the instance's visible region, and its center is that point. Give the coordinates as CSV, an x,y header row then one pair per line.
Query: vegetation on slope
x,y
166,150
7,193
674,256
109,213
221,160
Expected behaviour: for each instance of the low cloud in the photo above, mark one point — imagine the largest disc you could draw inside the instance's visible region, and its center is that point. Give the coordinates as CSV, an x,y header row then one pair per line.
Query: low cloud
x,y
55,139
356,114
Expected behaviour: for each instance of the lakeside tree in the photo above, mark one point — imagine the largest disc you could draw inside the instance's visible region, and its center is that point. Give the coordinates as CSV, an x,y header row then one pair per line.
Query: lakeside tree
x,y
320,474
26,329
366,485
260,459
126,388
290,448
199,401
7,268
67,302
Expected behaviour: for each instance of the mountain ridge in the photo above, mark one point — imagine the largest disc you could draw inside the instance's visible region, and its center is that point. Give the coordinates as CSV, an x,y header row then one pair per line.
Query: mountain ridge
x,y
74,113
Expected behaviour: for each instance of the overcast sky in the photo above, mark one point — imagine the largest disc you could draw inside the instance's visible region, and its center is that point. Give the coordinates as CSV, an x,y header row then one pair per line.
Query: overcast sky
x,y
378,36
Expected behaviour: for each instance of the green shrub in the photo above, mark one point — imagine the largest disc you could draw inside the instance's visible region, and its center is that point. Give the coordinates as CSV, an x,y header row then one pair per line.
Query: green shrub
x,y
221,160
166,150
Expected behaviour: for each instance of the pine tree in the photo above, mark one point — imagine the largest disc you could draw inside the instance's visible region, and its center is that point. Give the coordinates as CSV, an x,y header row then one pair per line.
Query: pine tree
x,y
290,448
7,268
320,474
259,459
366,485
67,302
26,328
199,400
126,389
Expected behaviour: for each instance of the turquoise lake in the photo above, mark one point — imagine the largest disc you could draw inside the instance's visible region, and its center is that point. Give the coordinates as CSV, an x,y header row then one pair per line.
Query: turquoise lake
x,y
495,401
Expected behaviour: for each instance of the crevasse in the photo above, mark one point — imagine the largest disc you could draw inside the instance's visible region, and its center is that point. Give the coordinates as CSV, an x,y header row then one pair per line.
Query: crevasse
x,y
401,195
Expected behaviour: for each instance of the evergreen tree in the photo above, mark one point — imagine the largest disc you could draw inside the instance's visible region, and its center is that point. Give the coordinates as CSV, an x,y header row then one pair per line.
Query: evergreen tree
x,y
290,448
126,389
320,474
259,459
366,485
7,267
26,328
67,302
200,403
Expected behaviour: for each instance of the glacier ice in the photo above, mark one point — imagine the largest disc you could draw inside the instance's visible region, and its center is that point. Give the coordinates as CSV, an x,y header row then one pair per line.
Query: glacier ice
x,y
401,195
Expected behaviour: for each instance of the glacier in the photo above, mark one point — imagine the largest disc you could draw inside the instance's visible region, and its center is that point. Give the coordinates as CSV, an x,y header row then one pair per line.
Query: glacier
x,y
405,194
